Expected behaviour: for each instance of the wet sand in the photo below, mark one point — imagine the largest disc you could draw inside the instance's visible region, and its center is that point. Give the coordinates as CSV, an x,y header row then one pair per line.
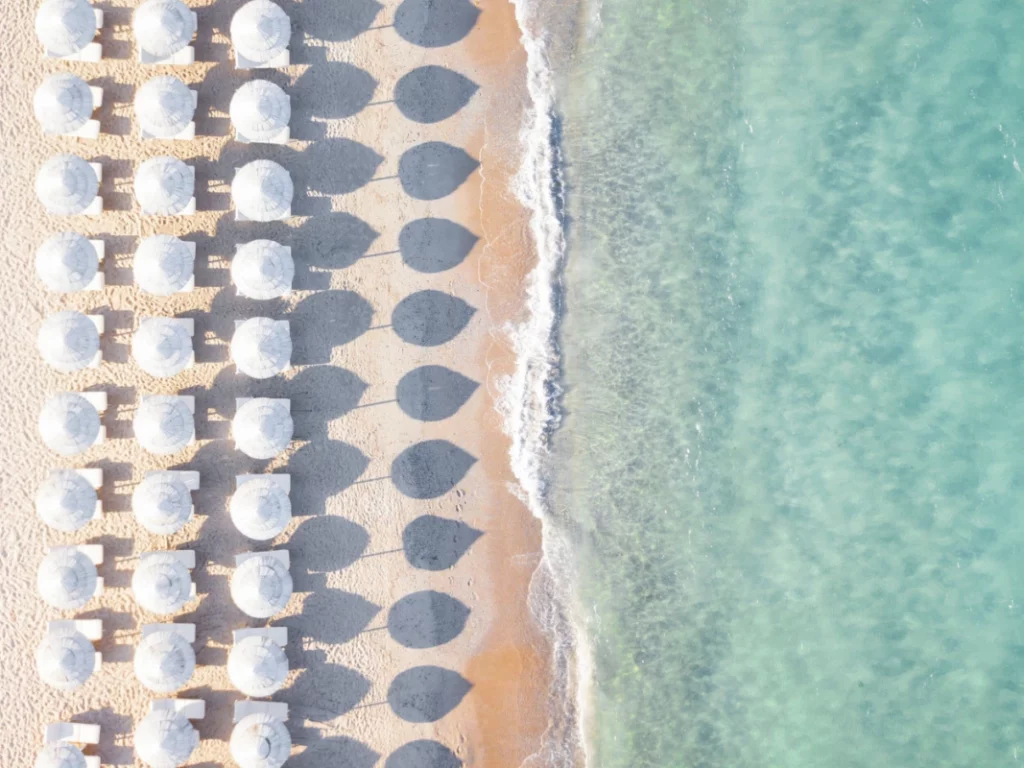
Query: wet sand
x,y
410,552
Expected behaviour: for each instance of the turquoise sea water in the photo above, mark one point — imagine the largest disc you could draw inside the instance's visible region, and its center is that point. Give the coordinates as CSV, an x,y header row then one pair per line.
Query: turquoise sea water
x,y
793,462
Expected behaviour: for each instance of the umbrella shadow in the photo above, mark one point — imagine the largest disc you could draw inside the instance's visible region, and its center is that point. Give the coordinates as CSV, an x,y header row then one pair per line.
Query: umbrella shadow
x,y
115,734
340,751
434,169
326,320
435,245
431,94
116,491
426,694
435,23
331,616
430,318
322,691
119,253
114,113
434,543
331,21
430,469
423,753
427,619
433,392
320,470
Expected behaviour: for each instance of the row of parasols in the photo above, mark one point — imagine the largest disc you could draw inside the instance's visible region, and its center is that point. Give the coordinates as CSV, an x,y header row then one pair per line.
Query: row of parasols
x,y
68,500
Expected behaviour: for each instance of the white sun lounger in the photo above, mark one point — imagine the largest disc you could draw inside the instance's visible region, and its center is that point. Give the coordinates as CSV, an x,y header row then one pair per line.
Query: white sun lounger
x,y
278,554
281,479
191,709
76,733
91,628
278,635
187,631
276,709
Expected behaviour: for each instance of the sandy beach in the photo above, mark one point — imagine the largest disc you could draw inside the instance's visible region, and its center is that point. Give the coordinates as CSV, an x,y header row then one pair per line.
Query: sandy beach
x,y
410,552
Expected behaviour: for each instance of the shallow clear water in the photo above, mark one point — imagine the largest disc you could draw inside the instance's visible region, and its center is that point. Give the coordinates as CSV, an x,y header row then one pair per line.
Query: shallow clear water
x,y
794,458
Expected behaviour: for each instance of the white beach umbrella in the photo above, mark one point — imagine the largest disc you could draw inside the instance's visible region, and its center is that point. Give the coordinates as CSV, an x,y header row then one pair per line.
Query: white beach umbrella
x,y
68,341
69,423
262,347
263,269
165,739
161,584
66,501
162,347
65,659
257,666
163,265
260,741
164,424
66,578
65,27
260,31
162,503
260,110
164,661
260,509
163,27
63,103
262,428
61,754
164,186
164,107
67,262
66,185
261,586
262,191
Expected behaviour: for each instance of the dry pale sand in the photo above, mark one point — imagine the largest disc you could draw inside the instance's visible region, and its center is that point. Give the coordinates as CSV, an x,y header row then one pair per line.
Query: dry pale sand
x,y
363,533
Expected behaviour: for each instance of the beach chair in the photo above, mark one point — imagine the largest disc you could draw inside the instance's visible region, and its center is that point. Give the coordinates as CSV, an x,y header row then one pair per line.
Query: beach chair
x,y
190,709
281,479
278,635
280,555
186,630
75,733
275,709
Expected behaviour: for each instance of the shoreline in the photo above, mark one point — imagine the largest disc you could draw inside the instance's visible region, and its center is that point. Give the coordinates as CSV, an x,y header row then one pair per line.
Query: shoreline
x,y
500,652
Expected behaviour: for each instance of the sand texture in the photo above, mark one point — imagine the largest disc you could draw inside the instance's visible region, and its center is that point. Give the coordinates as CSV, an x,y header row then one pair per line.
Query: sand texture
x,y
411,556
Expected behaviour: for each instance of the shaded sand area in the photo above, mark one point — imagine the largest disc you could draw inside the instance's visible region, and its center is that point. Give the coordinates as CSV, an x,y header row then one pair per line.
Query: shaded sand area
x,y
410,554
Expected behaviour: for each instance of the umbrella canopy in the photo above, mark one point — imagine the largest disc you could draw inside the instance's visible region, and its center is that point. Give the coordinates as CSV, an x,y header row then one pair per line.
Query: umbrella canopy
x,y
66,185
60,754
260,509
162,347
65,27
257,666
260,31
68,341
263,269
164,424
161,584
66,578
164,186
262,347
262,191
164,107
66,501
63,103
164,661
162,503
69,423
65,659
165,739
260,110
163,27
163,265
261,586
260,741
67,262
262,428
